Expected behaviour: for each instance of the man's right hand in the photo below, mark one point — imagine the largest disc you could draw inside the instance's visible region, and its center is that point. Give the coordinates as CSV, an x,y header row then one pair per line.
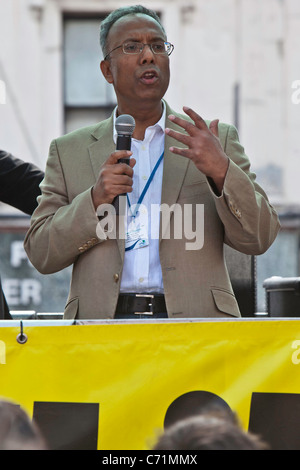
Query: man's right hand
x,y
114,178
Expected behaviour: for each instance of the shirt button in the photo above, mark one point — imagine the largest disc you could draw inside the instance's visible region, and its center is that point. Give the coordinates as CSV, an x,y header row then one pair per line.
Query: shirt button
x,y
141,279
145,177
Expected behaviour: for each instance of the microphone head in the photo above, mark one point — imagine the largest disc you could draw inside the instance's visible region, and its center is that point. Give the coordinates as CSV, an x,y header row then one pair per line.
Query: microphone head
x,y
125,124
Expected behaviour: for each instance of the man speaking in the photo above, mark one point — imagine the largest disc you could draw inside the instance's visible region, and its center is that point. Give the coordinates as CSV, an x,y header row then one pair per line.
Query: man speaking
x,y
176,161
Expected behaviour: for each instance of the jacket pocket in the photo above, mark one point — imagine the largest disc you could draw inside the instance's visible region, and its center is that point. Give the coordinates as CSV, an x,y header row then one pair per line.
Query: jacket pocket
x,y
225,301
71,309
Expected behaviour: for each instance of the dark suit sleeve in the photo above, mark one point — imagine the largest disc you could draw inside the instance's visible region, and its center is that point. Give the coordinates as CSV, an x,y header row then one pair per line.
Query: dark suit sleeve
x,y
19,182
4,310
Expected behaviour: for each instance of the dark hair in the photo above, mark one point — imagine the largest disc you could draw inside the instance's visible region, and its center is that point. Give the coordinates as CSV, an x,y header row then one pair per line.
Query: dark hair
x,y
208,433
115,15
17,431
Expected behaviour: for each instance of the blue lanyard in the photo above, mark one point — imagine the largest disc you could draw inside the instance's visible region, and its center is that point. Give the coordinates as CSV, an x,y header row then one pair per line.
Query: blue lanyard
x,y
146,186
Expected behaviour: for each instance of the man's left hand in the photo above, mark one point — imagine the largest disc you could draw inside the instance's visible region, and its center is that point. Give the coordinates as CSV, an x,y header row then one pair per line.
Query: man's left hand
x,y
203,146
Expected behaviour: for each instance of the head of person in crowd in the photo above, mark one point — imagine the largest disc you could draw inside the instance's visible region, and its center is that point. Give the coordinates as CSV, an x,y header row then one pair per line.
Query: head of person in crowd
x,y
211,431
17,431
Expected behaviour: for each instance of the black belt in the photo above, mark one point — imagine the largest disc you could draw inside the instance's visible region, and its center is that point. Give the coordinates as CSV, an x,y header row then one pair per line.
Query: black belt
x,y
147,304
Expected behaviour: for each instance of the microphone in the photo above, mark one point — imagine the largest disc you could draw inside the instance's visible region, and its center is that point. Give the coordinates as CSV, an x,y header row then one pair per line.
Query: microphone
x,y
125,125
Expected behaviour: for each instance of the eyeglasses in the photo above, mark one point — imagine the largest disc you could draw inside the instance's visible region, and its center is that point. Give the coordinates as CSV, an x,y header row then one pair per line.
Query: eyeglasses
x,y
137,47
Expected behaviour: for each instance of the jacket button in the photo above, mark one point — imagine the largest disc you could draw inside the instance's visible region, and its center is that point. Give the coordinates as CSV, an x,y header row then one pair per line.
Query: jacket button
x,y
116,277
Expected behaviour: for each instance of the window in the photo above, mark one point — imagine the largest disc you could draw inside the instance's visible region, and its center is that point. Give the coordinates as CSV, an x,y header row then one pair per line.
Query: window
x,y
88,98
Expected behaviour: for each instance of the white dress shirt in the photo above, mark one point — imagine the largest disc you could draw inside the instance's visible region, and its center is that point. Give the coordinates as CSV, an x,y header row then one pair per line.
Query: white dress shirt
x,y
142,270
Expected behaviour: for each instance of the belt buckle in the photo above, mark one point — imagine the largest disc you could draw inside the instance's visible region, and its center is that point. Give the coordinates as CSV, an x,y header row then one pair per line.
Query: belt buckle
x,y
151,296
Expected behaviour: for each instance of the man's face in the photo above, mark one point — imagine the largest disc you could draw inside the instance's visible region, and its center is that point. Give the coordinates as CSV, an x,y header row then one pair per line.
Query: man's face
x,y
140,78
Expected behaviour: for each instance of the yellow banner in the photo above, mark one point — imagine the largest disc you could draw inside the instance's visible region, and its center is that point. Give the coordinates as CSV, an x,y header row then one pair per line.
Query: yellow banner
x,y
119,382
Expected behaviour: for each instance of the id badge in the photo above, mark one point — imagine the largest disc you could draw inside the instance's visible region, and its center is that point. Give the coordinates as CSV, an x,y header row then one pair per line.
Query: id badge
x,y
137,234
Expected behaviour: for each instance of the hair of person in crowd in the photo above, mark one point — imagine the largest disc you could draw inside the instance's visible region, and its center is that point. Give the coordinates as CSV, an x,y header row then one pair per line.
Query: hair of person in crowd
x,y
17,431
211,431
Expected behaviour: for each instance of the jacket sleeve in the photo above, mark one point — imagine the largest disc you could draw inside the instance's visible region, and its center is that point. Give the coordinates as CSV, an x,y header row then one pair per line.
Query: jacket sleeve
x,y
19,182
60,229
250,222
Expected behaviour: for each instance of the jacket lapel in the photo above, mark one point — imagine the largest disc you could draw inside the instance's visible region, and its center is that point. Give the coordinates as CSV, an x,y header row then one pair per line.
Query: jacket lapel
x,y
104,145
175,167
99,152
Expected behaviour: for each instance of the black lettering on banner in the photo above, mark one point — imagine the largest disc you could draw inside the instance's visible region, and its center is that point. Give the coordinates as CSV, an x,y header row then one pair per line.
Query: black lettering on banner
x,y
193,403
276,418
68,426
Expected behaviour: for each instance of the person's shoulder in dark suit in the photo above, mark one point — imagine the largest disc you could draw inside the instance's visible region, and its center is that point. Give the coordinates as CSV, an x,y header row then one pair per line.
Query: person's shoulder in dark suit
x,y
19,187
19,182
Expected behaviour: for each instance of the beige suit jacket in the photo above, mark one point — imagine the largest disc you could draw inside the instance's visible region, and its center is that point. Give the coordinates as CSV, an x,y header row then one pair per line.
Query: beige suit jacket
x,y
196,282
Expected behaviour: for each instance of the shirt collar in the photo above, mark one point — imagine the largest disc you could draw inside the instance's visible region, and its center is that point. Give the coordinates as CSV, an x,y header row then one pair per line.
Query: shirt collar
x,y
160,124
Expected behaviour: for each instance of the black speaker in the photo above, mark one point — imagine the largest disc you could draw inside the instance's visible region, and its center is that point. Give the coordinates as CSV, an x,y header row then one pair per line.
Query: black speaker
x,y
282,296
